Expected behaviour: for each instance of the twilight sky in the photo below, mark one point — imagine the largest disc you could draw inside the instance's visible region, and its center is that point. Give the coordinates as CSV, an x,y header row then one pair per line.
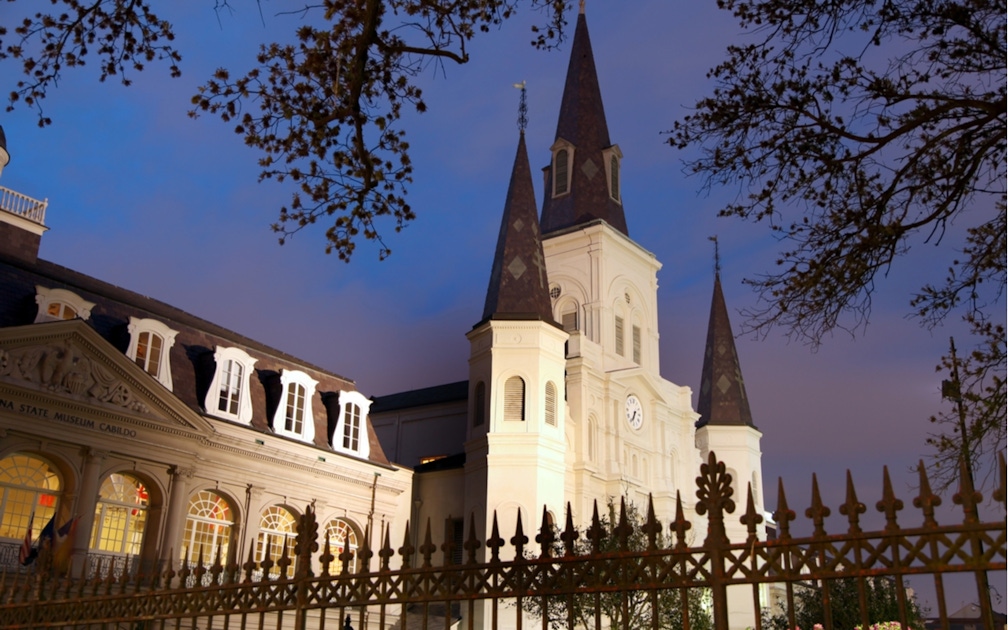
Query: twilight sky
x,y
146,198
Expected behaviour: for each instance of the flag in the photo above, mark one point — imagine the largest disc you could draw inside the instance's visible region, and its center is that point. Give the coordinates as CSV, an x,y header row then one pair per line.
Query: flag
x,y
25,555
47,532
63,544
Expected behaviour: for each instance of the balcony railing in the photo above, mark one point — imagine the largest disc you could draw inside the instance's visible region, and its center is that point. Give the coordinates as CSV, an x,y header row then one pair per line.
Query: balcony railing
x,y
23,205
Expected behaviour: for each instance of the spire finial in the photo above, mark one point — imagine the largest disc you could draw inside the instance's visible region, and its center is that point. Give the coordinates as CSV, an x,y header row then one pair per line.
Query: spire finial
x,y
717,254
522,108
581,7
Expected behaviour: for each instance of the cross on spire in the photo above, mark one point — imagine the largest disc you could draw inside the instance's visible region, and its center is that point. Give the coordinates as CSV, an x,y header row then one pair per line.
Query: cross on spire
x,y
522,108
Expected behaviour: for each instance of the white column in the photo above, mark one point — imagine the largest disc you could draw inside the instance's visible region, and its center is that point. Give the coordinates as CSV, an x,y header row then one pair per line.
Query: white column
x,y
175,518
87,500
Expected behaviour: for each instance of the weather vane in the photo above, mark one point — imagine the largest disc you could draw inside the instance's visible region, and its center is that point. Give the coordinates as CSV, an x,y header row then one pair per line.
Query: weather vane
x,y
522,108
717,254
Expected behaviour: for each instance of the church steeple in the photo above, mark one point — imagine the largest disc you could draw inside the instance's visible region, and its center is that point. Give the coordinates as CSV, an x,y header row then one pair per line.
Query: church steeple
x,y
518,286
583,179
723,398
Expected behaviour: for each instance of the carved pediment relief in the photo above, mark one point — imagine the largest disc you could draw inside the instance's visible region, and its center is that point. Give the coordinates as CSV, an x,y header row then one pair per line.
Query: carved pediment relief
x,y
62,367
73,364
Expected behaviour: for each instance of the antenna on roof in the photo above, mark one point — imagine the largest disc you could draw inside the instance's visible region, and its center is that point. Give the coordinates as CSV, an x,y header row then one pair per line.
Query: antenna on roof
x,y
717,254
522,108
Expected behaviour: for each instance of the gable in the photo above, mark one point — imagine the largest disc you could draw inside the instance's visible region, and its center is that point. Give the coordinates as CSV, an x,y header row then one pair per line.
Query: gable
x,y
66,372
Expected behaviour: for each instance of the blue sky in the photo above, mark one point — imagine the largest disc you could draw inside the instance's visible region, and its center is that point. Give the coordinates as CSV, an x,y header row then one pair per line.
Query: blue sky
x,y
146,198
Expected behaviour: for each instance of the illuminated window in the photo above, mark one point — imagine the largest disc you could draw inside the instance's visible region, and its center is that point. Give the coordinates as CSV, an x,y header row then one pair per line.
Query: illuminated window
x,y
28,485
58,304
514,398
228,396
276,526
209,524
150,345
294,417
120,516
342,538
350,433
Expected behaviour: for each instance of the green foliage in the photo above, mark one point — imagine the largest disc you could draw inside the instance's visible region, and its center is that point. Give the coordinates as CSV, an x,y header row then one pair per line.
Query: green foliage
x,y
323,113
880,598
635,607
858,130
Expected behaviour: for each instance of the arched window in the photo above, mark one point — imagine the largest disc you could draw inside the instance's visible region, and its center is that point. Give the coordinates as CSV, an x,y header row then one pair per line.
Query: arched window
x,y
209,523
150,343
276,525
120,516
58,304
294,417
561,172
228,396
28,485
514,398
479,404
342,537
614,177
551,404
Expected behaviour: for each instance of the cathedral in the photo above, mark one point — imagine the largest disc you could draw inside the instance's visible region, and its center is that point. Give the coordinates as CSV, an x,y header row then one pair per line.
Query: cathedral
x,y
162,437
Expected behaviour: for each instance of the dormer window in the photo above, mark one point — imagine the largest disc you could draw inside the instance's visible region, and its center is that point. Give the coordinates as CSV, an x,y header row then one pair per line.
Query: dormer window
x,y
350,435
294,417
228,396
563,156
60,304
612,158
150,343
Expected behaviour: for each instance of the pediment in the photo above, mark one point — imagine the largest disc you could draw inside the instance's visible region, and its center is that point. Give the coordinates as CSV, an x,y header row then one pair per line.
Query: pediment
x,y
71,369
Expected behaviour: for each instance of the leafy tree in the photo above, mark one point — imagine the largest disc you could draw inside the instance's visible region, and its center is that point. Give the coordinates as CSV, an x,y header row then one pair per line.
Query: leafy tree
x,y
622,529
857,130
880,597
323,112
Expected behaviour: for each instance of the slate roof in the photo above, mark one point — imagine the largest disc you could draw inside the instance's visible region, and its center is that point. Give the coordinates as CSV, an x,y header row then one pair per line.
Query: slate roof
x,y
582,122
722,398
518,286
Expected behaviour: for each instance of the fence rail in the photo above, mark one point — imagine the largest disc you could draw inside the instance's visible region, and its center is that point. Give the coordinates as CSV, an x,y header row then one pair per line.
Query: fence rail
x,y
597,578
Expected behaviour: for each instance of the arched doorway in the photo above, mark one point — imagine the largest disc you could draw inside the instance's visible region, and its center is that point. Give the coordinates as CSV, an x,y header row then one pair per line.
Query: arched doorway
x,y
208,530
29,494
119,524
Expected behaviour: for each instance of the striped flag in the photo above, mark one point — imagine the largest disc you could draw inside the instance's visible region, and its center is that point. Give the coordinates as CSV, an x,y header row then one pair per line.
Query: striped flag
x,y
25,555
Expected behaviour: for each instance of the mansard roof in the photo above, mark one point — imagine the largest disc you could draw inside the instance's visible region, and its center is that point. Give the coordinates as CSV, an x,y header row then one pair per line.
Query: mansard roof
x,y
518,286
723,398
191,356
582,124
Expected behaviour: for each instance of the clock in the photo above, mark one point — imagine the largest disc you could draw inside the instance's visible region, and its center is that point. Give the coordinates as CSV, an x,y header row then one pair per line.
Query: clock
x,y
634,412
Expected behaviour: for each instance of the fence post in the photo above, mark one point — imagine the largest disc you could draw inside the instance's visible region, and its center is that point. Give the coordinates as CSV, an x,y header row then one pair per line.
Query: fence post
x,y
305,544
714,493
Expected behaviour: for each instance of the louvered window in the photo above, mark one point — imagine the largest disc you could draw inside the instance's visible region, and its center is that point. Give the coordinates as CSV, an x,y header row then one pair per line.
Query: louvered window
x,y
560,172
570,321
614,177
619,335
551,404
514,399
479,404
636,344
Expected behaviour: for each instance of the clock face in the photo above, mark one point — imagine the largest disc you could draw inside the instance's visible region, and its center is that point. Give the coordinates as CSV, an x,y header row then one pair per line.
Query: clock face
x,y
634,411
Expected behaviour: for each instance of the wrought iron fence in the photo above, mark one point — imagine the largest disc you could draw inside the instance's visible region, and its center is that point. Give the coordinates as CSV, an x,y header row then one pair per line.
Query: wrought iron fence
x,y
565,578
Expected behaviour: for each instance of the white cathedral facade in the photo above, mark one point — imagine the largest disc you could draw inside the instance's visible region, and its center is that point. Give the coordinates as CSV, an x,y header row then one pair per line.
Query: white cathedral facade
x,y
170,437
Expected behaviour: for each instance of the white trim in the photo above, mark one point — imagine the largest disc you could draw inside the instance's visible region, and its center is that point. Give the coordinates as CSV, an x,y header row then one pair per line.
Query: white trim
x,y
211,403
346,399
44,297
289,378
607,156
138,326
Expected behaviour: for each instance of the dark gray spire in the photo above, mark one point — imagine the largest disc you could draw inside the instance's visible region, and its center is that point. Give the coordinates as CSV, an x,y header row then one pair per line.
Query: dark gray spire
x,y
582,123
722,398
518,286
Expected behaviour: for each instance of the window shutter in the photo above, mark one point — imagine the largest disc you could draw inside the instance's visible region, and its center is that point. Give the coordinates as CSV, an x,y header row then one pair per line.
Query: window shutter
x,y
551,404
619,335
514,399
636,345
570,321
